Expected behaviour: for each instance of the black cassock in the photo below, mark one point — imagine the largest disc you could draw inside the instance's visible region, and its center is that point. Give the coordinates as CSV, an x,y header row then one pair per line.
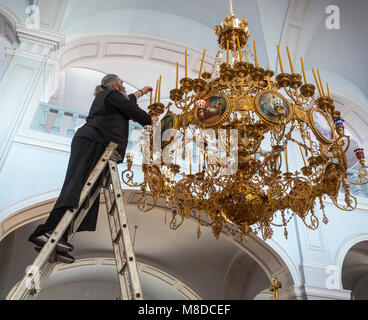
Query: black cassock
x,y
108,120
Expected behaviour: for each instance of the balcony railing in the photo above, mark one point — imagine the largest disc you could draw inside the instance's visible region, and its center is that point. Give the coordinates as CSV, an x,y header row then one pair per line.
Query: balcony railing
x,y
57,120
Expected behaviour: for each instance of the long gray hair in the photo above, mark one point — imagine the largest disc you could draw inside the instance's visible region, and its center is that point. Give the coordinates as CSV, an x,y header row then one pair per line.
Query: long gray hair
x,y
107,82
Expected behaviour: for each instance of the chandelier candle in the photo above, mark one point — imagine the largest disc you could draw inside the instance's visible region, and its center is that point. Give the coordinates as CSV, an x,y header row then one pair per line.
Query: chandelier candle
x,y
239,48
301,151
177,75
255,53
328,90
320,81
305,78
315,79
279,55
159,89
200,70
186,63
291,63
227,53
156,91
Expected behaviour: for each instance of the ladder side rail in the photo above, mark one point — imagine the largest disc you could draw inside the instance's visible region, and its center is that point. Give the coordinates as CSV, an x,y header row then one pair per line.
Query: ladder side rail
x,y
124,289
128,247
83,212
118,240
55,237
47,270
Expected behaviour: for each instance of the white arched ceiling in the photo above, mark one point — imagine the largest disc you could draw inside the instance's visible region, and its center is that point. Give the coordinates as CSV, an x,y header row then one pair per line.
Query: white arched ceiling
x,y
343,51
80,85
189,22
16,10
85,278
138,62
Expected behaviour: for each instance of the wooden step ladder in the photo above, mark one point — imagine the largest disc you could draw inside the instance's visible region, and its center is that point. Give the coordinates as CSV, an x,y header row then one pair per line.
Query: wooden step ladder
x,y
105,176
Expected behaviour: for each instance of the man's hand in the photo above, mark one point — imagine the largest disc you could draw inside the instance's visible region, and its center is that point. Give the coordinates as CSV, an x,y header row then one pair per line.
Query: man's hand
x,y
147,89
142,92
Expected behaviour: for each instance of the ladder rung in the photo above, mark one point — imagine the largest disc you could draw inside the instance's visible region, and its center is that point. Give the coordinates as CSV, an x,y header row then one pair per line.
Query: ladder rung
x,y
122,270
117,236
113,205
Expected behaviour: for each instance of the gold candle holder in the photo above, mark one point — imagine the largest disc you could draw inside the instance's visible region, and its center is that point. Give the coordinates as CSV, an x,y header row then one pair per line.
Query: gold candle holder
x,y
227,74
284,80
269,74
241,69
308,90
258,74
296,80
324,103
199,85
186,85
176,94
206,75
156,109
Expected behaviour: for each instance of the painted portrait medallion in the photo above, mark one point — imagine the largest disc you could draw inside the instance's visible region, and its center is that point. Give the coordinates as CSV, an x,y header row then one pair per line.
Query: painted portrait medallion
x,y
212,110
170,121
321,126
269,104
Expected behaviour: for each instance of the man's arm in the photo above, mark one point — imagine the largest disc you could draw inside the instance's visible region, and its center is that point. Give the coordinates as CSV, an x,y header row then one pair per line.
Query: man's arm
x,y
128,108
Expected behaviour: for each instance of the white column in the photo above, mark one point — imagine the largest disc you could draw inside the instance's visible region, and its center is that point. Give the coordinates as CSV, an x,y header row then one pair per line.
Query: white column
x,y
21,84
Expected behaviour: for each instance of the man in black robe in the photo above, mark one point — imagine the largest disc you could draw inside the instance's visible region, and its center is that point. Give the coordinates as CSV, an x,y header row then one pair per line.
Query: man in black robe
x,y
108,120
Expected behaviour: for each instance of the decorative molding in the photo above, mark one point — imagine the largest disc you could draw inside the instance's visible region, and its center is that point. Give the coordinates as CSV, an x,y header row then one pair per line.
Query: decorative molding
x,y
10,14
52,13
120,45
307,292
171,281
294,28
43,140
7,30
318,293
42,41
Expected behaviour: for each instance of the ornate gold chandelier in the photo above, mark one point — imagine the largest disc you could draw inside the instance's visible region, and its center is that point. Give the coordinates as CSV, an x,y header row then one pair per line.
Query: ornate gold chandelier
x,y
255,118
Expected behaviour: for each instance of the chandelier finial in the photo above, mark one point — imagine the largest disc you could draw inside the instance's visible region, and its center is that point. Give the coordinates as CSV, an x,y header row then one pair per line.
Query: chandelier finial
x,y
231,6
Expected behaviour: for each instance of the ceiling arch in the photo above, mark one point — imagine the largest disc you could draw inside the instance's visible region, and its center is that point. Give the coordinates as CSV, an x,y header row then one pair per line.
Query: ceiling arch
x,y
355,270
156,284
178,253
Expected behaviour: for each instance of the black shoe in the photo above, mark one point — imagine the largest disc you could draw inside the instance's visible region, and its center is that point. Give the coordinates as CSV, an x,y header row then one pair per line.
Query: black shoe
x,y
40,241
60,256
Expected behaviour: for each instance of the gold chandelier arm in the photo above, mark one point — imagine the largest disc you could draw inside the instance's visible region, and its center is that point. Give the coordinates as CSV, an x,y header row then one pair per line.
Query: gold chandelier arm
x,y
363,177
338,151
351,203
297,98
314,222
128,177
142,204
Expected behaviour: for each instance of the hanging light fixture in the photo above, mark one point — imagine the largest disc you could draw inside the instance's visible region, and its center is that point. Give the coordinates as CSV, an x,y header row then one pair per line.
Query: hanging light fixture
x,y
255,119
